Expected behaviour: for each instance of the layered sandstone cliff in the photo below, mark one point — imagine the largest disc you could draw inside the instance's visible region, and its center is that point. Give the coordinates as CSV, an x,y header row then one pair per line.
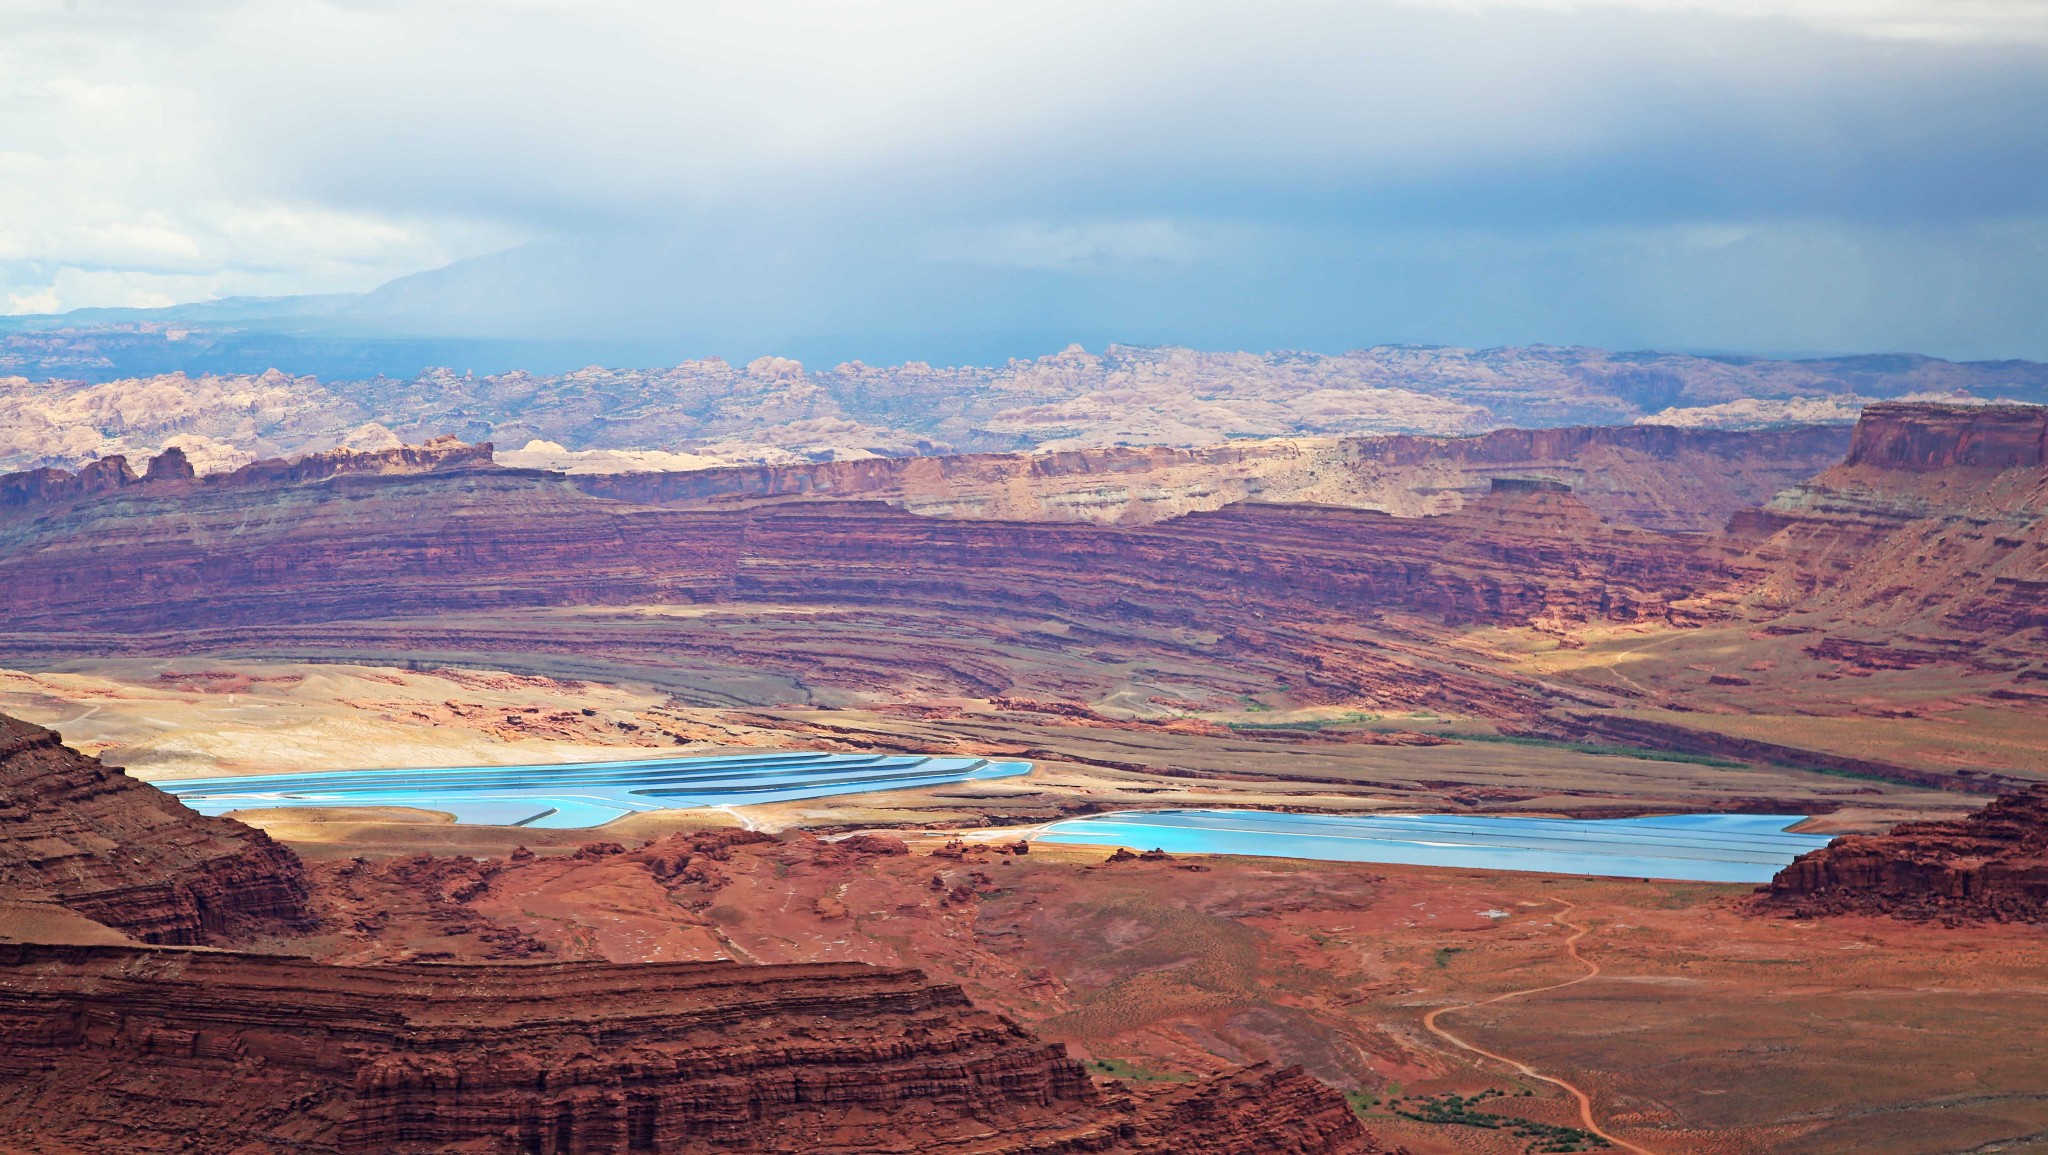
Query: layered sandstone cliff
x,y
1520,554
282,546
1924,437
107,1049
37,490
1990,865
1931,531
1652,476
288,1055
84,836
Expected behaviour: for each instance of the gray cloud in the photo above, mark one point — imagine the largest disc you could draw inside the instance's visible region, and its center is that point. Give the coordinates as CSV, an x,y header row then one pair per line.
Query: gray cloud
x,y
1720,173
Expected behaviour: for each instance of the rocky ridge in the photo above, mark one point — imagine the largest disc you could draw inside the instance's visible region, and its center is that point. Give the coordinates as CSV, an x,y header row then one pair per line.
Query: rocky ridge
x,y
1650,476
462,538
46,486
1656,477
1992,865
256,1053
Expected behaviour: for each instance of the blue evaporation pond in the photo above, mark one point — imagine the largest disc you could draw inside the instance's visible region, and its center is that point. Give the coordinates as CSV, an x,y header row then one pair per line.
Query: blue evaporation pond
x,y
582,794
1690,847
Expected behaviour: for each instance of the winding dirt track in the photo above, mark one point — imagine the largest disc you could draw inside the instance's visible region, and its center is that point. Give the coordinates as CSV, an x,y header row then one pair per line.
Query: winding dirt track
x,y
1571,947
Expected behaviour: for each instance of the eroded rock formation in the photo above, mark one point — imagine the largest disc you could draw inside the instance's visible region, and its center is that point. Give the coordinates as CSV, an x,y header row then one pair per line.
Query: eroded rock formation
x,y
47,486
89,838
1990,865
1657,477
1922,437
1931,533
778,411
315,544
259,1053
117,1049
1519,553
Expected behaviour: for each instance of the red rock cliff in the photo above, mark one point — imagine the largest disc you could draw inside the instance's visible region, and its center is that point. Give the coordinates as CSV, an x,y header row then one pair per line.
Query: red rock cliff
x,y
258,1054
1513,556
125,854
1647,475
47,487
1907,435
1991,865
369,546
1932,528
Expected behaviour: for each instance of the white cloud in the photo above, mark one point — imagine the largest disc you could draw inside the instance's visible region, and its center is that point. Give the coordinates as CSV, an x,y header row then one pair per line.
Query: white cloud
x,y
37,301
116,185
1942,21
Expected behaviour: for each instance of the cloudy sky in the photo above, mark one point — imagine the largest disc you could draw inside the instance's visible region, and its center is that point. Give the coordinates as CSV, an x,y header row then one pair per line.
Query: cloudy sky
x,y
1799,175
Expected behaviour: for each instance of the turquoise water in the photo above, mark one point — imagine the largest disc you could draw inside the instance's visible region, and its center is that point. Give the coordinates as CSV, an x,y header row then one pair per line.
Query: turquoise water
x,y
1690,847
583,794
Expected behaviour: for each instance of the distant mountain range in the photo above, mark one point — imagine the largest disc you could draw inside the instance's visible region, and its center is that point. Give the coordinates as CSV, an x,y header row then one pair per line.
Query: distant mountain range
x,y
776,410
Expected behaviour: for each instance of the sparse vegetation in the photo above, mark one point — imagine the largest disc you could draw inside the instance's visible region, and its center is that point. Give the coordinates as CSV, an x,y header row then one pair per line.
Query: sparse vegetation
x,y
1462,1111
1601,750
1132,1073
1312,725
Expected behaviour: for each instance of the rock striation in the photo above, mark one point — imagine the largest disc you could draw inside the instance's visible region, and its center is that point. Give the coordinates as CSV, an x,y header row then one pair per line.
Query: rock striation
x,y
87,837
1519,554
1930,536
1657,477
38,489
126,1049
1990,865
312,545
1923,437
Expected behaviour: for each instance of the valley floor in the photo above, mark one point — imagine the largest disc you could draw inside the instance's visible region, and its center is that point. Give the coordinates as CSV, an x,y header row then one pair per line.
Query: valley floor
x,y
1711,1027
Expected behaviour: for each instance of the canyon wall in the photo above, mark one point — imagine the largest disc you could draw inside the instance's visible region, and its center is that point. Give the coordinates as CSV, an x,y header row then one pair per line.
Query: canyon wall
x,y
91,839
555,1058
1925,437
1932,532
1516,555
115,1049
262,549
1653,476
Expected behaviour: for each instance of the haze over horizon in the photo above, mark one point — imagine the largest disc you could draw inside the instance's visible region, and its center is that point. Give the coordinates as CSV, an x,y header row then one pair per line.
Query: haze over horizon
x,y
905,180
